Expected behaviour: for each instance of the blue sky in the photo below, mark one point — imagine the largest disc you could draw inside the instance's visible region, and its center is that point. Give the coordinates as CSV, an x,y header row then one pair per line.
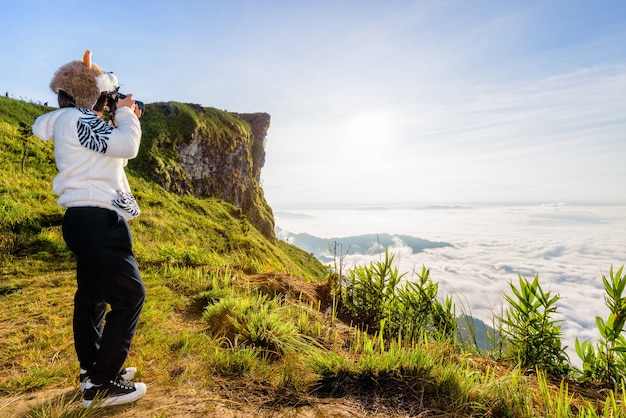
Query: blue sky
x,y
372,102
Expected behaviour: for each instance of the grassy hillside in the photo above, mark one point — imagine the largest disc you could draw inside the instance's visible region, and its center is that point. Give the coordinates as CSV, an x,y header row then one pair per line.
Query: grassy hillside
x,y
171,229
234,325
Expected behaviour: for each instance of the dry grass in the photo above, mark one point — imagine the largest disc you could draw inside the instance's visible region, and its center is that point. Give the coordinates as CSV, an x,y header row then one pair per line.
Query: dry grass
x,y
35,334
173,352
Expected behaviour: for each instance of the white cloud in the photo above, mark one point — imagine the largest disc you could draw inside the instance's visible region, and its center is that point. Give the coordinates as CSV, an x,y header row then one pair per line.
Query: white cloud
x,y
559,137
569,247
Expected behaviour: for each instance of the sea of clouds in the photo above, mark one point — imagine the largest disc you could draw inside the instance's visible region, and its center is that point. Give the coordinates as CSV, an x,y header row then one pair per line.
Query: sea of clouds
x,y
570,247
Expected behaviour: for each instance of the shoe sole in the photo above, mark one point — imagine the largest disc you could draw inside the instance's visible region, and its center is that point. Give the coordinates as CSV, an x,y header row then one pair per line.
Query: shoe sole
x,y
140,390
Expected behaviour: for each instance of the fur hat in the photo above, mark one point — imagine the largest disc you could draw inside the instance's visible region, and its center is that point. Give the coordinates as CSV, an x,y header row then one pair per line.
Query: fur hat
x,y
84,81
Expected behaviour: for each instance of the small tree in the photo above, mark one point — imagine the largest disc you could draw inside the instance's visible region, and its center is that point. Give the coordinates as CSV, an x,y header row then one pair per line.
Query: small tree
x,y
532,336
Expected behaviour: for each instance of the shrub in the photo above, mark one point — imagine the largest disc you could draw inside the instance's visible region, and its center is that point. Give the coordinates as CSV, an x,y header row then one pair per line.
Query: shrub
x,y
378,300
369,291
533,337
608,363
419,309
258,322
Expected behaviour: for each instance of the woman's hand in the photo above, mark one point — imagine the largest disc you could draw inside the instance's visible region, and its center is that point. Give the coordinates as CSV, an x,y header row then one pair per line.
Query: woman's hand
x,y
127,101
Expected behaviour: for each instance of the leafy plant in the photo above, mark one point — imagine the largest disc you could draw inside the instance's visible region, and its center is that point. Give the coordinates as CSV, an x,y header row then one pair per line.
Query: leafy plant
x,y
607,362
533,337
370,291
419,309
376,296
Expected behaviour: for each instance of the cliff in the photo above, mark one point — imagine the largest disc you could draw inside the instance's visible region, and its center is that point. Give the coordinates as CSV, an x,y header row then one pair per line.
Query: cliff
x,y
207,152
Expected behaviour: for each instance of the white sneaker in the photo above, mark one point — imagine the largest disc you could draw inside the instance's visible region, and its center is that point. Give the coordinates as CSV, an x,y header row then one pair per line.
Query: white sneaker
x,y
127,374
113,392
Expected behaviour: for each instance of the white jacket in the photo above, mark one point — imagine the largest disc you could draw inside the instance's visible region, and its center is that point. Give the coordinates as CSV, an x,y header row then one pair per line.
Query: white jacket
x,y
90,156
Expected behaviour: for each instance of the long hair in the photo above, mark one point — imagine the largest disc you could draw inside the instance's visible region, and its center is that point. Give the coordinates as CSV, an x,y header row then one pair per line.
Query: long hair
x,y
101,102
65,100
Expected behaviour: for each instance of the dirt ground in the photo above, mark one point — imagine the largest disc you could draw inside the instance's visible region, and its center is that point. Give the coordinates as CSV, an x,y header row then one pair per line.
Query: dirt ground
x,y
186,402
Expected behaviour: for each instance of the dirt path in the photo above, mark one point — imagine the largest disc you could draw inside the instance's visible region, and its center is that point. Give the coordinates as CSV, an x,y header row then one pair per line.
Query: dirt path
x,y
184,402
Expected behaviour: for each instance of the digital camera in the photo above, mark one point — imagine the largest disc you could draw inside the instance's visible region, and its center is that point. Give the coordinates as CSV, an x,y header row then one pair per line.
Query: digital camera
x,y
113,97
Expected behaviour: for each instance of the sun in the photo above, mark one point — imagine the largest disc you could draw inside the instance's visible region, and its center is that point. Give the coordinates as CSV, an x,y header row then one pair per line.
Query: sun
x,y
365,136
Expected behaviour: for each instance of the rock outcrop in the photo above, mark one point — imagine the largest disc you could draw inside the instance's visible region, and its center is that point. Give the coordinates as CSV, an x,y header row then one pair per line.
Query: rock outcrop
x,y
208,153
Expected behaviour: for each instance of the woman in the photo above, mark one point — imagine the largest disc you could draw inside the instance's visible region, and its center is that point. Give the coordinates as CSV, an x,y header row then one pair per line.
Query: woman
x,y
91,155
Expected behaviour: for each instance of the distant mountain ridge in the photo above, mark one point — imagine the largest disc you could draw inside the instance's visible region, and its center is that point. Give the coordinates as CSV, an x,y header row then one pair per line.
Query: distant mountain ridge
x,y
471,329
358,244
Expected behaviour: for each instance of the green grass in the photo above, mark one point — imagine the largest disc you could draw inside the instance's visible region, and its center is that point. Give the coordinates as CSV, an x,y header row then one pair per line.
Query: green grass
x,y
232,315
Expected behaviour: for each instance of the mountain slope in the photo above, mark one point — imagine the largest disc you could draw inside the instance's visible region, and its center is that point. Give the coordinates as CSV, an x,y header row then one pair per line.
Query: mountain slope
x,y
196,229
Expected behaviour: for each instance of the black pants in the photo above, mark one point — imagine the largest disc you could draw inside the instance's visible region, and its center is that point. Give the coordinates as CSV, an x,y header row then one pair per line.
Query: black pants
x,y
107,274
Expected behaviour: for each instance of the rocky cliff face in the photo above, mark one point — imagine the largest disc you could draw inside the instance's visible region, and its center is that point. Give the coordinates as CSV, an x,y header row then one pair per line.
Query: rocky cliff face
x,y
209,153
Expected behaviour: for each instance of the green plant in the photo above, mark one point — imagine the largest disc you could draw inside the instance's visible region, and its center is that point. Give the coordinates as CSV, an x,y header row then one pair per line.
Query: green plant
x,y
336,276
376,296
419,309
607,362
369,291
533,337
256,321
231,361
